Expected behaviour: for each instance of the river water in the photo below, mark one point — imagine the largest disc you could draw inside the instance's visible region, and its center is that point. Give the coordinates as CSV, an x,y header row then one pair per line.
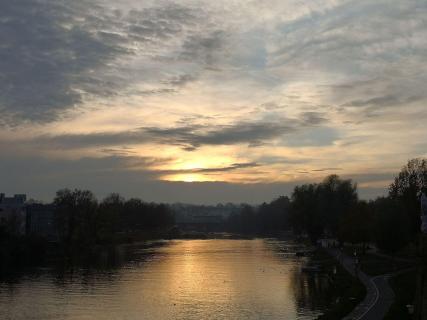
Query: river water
x,y
181,279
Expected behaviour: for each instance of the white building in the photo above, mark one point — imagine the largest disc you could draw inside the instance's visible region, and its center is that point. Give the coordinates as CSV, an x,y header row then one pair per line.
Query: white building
x,y
13,212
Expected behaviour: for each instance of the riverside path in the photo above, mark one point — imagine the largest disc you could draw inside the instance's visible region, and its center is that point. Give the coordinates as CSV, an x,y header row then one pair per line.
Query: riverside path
x,y
379,295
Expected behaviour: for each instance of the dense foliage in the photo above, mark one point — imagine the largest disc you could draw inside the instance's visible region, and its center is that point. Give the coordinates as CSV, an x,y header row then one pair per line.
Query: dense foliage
x,y
331,208
81,221
317,209
406,189
266,219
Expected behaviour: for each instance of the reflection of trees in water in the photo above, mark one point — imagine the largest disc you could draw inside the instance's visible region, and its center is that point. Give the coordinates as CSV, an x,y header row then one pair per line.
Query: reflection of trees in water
x,y
310,290
103,264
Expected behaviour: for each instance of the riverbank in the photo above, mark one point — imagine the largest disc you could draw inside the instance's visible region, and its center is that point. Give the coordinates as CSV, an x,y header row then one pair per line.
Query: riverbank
x,y
19,253
403,285
26,252
400,275
389,282
183,279
345,292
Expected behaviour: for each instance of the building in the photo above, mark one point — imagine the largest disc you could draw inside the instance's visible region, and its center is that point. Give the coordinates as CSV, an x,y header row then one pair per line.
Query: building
x,y
40,220
201,222
200,217
13,213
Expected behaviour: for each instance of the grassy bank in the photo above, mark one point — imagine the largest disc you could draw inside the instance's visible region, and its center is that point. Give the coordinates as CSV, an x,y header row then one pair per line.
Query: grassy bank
x,y
374,265
346,291
403,286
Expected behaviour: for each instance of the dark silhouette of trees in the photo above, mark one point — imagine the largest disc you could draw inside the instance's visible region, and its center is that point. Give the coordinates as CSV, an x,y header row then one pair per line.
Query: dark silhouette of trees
x,y
406,188
269,218
355,226
139,215
273,216
318,208
330,208
132,211
391,226
109,215
243,221
82,222
305,217
75,215
336,198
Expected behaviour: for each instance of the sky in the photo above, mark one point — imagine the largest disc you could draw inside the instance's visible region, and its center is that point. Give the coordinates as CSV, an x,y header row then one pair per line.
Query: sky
x,y
209,101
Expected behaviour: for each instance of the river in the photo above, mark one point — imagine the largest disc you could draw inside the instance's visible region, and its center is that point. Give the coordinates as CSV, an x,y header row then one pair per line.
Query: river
x,y
180,279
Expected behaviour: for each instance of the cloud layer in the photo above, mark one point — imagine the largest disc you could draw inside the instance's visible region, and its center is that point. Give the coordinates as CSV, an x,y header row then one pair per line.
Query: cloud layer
x,y
234,92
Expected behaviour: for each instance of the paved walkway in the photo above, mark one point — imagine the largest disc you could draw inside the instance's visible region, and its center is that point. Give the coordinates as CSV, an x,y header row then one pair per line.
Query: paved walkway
x,y
379,295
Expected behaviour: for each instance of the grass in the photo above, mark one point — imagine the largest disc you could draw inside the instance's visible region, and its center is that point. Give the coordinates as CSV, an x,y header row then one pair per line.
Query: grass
x,y
375,265
346,291
403,286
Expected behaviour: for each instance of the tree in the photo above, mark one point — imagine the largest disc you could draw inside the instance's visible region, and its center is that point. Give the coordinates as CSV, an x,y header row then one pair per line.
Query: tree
x,y
336,198
75,213
132,215
355,226
138,215
244,220
304,211
109,215
318,208
406,188
273,216
391,227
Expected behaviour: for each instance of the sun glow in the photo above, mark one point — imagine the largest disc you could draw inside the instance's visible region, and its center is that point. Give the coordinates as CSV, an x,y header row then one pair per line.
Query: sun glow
x,y
197,168
187,177
190,178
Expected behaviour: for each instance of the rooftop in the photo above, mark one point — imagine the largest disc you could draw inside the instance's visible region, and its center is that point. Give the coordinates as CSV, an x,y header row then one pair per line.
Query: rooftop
x,y
16,199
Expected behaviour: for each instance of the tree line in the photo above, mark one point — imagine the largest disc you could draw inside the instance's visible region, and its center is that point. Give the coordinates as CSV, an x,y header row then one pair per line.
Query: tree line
x,y
333,209
268,218
330,208
82,225
82,221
